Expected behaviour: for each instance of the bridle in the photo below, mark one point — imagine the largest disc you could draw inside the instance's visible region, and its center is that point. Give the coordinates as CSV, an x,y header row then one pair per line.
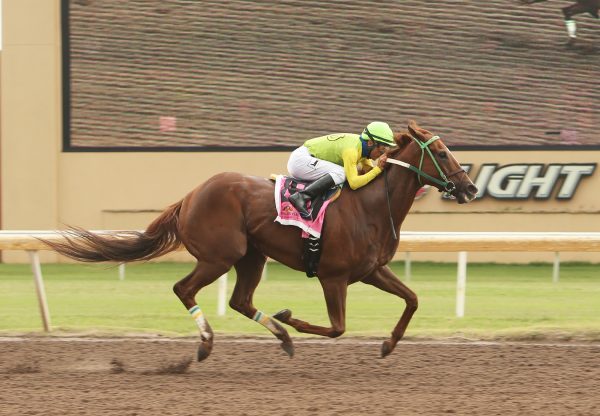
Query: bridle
x,y
443,184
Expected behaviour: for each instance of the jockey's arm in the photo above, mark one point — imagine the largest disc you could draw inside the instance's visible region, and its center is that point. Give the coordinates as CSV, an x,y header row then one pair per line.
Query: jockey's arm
x,y
351,158
365,165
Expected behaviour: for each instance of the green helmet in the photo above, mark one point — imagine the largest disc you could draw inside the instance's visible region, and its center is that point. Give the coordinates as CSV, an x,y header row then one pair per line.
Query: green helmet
x,y
379,132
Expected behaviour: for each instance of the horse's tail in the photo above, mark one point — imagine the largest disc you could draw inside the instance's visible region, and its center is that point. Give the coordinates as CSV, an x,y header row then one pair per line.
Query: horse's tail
x,y
160,237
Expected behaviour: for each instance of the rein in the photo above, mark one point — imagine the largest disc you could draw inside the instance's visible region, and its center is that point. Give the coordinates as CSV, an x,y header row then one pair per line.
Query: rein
x,y
444,184
387,194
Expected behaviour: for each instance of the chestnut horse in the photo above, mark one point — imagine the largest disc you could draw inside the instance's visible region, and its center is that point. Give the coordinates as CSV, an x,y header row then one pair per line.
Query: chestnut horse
x,y
229,221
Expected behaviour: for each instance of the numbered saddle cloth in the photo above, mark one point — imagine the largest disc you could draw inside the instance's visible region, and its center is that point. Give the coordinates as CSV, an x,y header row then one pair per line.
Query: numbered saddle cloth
x,y
287,214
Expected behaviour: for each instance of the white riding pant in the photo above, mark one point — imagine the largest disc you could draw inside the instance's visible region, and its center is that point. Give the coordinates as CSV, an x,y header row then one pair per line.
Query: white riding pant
x,y
302,165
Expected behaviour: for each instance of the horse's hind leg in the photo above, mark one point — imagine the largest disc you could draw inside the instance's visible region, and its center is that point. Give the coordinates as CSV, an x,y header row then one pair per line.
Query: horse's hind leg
x,y
249,270
186,289
384,279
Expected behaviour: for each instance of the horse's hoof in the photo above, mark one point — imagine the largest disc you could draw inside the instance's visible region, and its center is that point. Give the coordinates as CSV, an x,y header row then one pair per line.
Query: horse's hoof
x,y
386,348
204,351
288,347
283,315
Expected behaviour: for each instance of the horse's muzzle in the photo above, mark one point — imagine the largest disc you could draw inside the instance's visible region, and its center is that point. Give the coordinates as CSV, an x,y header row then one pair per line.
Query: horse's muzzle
x,y
467,195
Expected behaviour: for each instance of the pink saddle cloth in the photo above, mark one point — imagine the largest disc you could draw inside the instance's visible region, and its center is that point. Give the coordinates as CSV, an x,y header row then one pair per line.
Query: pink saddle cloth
x,y
288,215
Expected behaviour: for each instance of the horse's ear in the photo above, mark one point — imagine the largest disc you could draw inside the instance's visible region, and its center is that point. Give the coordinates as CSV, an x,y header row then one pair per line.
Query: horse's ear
x,y
418,132
402,139
413,128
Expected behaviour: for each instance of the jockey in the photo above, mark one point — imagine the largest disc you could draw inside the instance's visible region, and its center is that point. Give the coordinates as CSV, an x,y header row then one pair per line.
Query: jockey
x,y
332,159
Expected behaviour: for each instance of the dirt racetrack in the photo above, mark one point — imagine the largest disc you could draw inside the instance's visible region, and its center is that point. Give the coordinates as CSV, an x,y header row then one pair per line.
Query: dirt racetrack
x,y
87,376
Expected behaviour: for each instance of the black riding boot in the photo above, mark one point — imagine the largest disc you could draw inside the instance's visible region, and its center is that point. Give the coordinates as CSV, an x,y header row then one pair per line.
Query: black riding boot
x,y
300,198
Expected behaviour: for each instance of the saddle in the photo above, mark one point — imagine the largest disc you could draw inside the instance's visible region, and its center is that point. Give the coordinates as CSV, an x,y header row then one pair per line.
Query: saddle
x,y
311,227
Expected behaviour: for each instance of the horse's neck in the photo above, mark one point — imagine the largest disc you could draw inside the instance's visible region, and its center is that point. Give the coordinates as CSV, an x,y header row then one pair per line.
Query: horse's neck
x,y
406,181
402,188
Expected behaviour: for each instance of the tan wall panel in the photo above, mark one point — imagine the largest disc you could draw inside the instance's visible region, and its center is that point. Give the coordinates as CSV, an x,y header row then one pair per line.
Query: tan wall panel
x,y
93,183
30,140
30,114
30,22
142,181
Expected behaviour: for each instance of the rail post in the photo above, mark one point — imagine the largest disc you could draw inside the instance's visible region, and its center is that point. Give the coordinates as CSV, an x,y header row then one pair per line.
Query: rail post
x,y
222,295
461,284
556,267
36,268
263,276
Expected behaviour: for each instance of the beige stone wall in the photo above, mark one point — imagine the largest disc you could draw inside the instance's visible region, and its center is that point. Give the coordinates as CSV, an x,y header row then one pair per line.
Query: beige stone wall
x,y
44,188
30,114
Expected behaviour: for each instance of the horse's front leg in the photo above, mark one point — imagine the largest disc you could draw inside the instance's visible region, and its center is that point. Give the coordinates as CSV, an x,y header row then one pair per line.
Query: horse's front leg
x,y
335,291
383,278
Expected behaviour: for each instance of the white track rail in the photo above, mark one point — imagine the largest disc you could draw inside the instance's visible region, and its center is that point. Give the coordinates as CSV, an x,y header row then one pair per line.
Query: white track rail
x,y
410,241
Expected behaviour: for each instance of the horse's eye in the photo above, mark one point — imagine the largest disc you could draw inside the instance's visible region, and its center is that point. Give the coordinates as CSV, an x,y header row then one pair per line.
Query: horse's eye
x,y
443,155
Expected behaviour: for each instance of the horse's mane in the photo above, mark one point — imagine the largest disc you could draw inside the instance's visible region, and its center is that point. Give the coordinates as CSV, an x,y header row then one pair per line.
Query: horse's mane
x,y
402,140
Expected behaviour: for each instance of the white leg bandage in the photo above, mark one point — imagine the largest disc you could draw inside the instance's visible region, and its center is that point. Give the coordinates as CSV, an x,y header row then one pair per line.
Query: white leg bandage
x,y
571,28
198,316
265,320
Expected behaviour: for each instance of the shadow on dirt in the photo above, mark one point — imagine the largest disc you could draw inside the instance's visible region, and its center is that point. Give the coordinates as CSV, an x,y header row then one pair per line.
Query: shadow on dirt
x,y
181,367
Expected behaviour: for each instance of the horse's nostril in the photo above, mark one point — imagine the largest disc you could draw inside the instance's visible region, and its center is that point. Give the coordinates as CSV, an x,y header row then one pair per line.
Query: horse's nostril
x,y
472,189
